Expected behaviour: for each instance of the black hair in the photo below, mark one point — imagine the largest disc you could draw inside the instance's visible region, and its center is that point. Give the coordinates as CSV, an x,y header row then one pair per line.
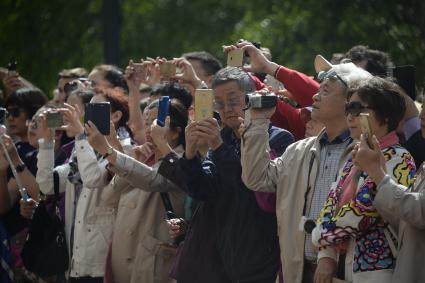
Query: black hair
x,y
29,99
209,63
173,90
377,62
179,117
113,75
385,97
119,102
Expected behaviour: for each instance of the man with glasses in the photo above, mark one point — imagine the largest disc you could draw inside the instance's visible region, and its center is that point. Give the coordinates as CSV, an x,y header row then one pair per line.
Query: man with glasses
x,y
246,235
303,175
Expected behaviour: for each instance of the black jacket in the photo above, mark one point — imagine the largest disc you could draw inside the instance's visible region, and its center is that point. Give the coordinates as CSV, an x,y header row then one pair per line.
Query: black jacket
x,y
245,235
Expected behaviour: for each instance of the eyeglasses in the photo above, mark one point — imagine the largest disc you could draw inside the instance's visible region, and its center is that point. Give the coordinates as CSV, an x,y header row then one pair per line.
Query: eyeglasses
x,y
231,103
13,112
355,108
322,75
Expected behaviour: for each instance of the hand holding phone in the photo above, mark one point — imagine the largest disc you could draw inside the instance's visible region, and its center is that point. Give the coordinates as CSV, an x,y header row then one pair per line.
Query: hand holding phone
x,y
164,103
366,128
100,115
12,66
54,119
167,69
204,103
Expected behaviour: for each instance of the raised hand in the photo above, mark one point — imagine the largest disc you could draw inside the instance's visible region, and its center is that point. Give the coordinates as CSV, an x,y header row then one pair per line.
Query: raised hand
x,y
96,139
188,74
71,117
209,130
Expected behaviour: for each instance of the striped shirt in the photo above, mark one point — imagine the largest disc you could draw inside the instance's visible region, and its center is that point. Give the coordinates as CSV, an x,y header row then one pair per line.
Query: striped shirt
x,y
330,154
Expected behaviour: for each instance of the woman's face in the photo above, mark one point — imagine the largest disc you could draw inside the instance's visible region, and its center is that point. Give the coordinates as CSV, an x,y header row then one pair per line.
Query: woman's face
x,y
353,120
148,117
17,122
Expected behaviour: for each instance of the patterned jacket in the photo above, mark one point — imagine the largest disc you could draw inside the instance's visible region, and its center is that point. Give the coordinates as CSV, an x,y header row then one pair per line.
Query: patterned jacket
x,y
356,225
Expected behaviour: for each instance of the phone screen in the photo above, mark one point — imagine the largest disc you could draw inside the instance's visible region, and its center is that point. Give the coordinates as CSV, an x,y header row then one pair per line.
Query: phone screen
x,y
164,103
100,115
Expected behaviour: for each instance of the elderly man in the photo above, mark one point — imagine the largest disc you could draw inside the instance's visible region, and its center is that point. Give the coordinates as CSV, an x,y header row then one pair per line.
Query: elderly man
x,y
245,234
303,175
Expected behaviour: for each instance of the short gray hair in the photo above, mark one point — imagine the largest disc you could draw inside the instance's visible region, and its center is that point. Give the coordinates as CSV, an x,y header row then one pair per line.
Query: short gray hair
x,y
350,73
245,82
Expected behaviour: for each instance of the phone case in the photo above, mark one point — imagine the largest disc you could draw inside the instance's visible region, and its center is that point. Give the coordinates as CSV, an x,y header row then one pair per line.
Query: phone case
x,y
167,69
100,115
54,119
204,100
164,102
235,58
365,125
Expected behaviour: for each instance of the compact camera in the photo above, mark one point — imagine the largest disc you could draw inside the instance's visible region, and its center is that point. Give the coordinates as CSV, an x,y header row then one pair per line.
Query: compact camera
x,y
255,100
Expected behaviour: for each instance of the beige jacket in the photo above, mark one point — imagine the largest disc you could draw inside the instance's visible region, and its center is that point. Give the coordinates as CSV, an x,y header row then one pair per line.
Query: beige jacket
x,y
287,175
140,251
94,211
392,201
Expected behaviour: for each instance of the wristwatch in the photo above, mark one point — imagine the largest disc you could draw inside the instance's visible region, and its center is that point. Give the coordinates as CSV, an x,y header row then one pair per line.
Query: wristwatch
x,y
109,151
20,167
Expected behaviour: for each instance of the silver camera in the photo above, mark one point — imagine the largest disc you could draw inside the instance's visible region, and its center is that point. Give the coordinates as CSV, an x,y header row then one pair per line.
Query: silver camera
x,y
255,100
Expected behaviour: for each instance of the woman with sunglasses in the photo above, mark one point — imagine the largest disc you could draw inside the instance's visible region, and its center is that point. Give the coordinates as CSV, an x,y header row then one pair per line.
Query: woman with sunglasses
x,y
349,229
406,207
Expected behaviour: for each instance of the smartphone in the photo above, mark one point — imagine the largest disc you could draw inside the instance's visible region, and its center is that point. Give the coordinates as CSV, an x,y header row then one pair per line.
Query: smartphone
x,y
204,103
167,69
365,126
235,58
54,120
3,114
100,115
164,103
12,66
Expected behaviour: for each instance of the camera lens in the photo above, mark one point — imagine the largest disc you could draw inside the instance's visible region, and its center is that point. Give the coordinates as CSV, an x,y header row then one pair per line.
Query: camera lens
x,y
309,225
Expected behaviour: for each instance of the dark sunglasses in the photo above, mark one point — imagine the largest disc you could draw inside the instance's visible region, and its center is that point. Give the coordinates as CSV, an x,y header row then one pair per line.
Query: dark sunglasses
x,y
13,112
355,108
322,75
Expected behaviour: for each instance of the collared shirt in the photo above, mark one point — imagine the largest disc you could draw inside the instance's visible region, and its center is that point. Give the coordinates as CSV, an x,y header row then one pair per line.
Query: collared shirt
x,y
330,154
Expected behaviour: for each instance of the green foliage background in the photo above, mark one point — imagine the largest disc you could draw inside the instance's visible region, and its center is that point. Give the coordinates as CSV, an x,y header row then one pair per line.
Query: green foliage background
x,y
47,36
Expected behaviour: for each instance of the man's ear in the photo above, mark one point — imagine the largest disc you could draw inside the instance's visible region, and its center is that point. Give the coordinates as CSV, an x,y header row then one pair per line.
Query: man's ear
x,y
116,116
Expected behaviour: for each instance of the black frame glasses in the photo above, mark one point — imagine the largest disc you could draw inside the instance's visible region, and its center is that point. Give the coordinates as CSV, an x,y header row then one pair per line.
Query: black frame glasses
x,y
322,75
355,108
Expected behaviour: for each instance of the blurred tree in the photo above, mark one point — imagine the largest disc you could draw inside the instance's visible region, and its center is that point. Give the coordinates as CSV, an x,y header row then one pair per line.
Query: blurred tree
x,y
48,36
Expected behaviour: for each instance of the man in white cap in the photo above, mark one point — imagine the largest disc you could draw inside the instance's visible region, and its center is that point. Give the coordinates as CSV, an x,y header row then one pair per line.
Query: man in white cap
x,y
303,175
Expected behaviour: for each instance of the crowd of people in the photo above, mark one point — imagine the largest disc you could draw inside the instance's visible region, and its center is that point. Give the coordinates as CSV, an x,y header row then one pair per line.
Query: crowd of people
x,y
299,192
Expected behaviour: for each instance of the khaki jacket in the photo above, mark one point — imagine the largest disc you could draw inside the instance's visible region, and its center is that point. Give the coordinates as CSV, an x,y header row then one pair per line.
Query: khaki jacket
x,y
140,244
287,175
392,201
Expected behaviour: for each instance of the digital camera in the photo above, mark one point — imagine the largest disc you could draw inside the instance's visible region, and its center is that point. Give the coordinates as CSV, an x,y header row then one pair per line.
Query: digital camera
x,y
255,100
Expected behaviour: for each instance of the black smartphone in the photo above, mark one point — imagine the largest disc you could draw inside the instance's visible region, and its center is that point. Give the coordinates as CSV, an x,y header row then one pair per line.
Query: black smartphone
x,y
3,115
12,66
405,76
100,115
54,120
